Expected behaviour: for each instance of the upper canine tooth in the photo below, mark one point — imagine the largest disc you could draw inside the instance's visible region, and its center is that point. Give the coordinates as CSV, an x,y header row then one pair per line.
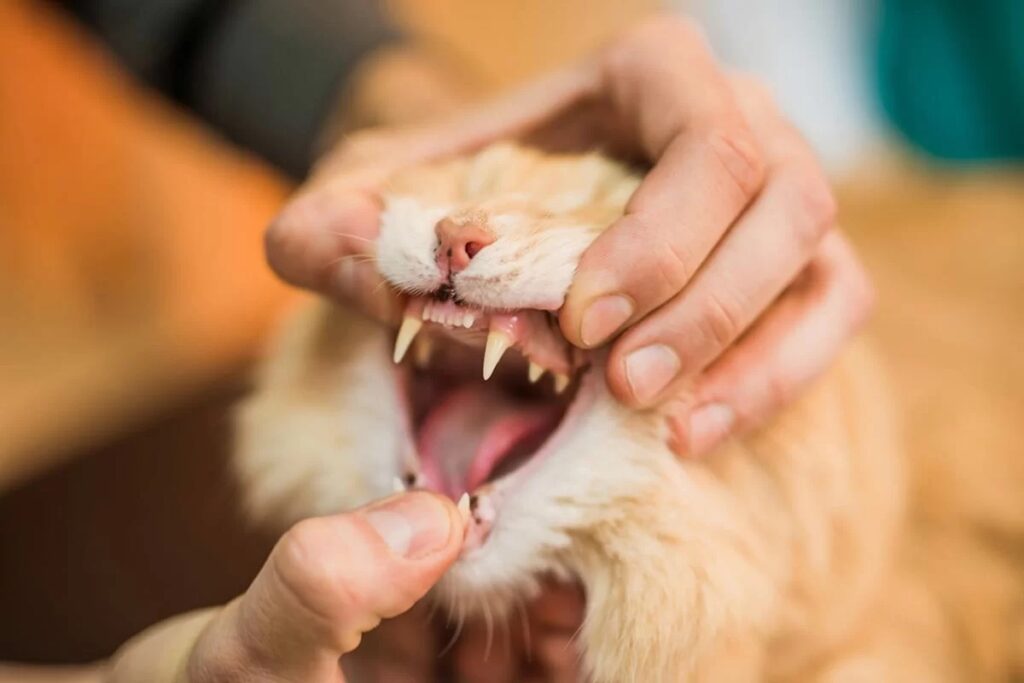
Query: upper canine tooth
x,y
535,372
406,333
497,344
561,382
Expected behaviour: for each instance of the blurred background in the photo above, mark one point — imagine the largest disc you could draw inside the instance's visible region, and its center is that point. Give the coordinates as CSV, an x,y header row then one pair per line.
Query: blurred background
x,y
134,295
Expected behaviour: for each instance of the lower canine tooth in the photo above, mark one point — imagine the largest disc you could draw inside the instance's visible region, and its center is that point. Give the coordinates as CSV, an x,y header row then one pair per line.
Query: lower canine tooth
x,y
535,372
463,507
397,485
497,344
561,382
406,333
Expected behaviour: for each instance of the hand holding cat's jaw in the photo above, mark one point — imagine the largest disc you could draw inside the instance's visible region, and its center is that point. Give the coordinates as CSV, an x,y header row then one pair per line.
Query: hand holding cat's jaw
x,y
328,581
698,277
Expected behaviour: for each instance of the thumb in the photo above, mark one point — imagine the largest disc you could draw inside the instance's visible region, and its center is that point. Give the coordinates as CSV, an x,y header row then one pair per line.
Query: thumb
x,y
331,579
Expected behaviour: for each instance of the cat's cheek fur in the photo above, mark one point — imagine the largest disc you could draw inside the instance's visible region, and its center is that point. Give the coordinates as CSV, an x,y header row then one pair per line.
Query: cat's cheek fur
x,y
405,250
533,271
303,440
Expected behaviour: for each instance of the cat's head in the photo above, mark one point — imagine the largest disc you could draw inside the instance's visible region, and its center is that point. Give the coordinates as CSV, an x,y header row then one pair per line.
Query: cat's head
x,y
500,405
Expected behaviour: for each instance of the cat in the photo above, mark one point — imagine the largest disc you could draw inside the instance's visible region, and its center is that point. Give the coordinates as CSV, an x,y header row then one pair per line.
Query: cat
x,y
778,557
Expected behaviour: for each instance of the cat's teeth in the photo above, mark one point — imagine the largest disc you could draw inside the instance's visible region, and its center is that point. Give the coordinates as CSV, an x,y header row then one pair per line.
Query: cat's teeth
x,y
561,382
467,320
497,344
535,372
397,485
422,350
406,333
463,508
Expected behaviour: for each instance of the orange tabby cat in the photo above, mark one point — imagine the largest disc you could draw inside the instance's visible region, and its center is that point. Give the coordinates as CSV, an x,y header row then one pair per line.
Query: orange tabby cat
x,y
779,557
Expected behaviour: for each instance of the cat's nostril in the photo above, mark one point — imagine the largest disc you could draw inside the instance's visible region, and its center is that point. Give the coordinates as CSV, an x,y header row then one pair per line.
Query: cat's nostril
x,y
459,242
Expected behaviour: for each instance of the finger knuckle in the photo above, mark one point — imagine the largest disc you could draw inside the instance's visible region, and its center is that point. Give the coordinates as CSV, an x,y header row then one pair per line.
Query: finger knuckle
x,y
863,295
813,203
285,242
665,27
778,392
672,266
736,151
306,566
721,322
755,97
644,45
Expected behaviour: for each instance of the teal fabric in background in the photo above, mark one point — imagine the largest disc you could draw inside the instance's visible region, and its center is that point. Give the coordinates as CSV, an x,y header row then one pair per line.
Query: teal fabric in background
x,y
951,76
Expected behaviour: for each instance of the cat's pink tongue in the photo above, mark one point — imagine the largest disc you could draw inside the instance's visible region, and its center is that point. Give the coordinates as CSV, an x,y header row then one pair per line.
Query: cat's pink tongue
x,y
473,431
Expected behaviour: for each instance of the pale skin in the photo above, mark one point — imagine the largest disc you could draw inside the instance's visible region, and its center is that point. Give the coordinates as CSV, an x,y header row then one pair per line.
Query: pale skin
x,y
723,291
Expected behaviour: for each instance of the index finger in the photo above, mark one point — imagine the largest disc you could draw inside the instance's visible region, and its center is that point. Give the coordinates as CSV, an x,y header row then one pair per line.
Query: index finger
x,y
672,97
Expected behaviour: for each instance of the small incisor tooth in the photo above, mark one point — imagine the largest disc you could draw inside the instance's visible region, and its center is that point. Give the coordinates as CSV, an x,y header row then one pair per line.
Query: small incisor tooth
x,y
497,344
561,382
535,372
397,485
406,333
463,507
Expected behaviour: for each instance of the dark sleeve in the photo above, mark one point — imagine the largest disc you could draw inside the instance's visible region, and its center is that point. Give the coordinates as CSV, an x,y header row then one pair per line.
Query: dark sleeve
x,y
263,72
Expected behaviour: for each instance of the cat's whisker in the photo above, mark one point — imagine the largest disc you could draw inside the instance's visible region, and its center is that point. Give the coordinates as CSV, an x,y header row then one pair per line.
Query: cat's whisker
x,y
351,236
460,622
357,258
489,621
520,606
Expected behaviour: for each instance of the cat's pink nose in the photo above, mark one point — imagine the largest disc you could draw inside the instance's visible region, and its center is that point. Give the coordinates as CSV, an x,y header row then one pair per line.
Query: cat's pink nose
x,y
459,243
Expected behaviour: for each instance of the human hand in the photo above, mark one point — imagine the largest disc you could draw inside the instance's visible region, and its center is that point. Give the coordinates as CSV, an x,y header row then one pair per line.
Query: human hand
x,y
725,288
328,581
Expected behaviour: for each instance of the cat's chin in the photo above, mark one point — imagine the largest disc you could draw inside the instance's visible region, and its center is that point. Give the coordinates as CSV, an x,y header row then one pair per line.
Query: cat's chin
x,y
480,428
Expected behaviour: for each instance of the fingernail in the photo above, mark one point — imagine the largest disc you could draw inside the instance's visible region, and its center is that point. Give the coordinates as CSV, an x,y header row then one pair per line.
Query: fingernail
x,y
603,318
709,424
649,370
413,525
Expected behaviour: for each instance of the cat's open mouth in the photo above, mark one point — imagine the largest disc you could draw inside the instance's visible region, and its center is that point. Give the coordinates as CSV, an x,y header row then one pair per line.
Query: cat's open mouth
x,y
482,411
